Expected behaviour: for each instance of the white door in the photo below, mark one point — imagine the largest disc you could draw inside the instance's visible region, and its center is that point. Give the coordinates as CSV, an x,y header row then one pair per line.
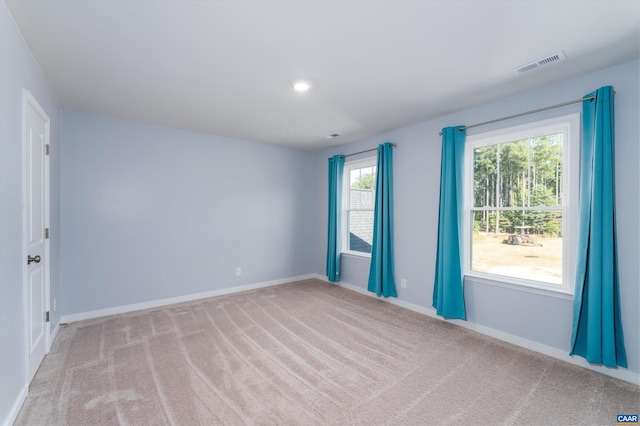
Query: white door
x,y
36,232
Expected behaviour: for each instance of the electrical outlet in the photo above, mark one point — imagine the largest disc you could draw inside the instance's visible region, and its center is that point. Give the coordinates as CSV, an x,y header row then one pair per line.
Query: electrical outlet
x,y
54,304
238,271
403,282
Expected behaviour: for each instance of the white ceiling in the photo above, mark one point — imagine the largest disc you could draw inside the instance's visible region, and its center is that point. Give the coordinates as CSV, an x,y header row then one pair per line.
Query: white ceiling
x,y
225,67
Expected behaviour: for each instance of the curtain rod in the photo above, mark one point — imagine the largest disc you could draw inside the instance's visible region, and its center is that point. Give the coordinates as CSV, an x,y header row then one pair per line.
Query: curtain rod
x,y
525,113
366,150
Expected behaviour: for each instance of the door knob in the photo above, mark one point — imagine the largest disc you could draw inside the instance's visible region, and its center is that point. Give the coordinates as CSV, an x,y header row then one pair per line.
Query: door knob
x,y
33,259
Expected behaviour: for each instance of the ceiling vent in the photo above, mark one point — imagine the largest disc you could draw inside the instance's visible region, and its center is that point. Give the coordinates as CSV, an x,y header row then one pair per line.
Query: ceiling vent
x,y
540,63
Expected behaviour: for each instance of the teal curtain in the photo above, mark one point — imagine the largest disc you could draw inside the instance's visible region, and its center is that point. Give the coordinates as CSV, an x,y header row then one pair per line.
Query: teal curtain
x,y
381,280
336,169
448,290
597,327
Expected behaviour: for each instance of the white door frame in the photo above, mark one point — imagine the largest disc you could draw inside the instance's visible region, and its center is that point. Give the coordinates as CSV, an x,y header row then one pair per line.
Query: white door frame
x,y
30,101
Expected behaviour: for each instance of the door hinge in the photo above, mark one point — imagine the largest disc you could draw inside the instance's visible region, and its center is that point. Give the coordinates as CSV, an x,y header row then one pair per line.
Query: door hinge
x,y
46,233
46,316
46,149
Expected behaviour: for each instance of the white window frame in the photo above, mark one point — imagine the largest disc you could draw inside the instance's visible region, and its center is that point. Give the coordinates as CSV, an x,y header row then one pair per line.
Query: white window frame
x,y
346,186
570,125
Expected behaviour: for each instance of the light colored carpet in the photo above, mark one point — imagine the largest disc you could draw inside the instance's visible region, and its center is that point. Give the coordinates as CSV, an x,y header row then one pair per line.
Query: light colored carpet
x,y
306,353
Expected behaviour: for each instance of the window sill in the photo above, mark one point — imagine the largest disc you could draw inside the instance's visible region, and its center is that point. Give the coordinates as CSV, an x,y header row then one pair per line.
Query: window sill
x,y
507,283
356,255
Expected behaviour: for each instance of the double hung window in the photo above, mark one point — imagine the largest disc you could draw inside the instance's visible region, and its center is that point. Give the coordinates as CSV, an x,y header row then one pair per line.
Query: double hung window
x,y
521,204
358,204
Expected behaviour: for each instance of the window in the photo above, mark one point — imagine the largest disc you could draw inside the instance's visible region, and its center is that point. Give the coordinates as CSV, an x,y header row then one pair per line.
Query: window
x,y
521,204
358,206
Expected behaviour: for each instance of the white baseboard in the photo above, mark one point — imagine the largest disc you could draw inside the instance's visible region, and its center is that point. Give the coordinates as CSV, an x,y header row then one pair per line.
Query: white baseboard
x,y
54,334
17,405
179,299
619,373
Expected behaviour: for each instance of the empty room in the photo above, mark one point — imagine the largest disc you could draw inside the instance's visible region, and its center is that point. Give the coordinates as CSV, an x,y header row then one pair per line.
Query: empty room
x,y
319,212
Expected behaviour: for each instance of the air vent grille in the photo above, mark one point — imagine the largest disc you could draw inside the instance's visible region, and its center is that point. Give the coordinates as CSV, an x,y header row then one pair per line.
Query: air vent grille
x,y
541,62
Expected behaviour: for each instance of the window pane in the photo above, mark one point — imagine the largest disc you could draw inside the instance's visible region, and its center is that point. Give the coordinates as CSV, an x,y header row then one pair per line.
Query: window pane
x,y
358,232
364,178
485,175
527,245
360,228
520,173
545,170
513,173
361,199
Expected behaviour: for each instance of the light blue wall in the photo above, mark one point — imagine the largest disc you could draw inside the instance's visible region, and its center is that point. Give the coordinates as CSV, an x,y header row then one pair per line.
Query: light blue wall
x,y
539,318
151,212
19,71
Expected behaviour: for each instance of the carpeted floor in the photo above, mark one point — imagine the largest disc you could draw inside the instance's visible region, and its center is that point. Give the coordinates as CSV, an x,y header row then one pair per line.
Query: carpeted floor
x,y
306,353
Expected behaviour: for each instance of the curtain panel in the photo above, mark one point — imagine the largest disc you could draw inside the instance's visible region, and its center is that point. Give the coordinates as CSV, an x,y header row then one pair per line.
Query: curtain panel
x,y
448,291
597,326
381,273
336,169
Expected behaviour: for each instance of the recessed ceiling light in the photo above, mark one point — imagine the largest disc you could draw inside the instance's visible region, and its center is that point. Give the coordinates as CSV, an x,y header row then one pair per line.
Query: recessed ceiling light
x,y
335,135
301,86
